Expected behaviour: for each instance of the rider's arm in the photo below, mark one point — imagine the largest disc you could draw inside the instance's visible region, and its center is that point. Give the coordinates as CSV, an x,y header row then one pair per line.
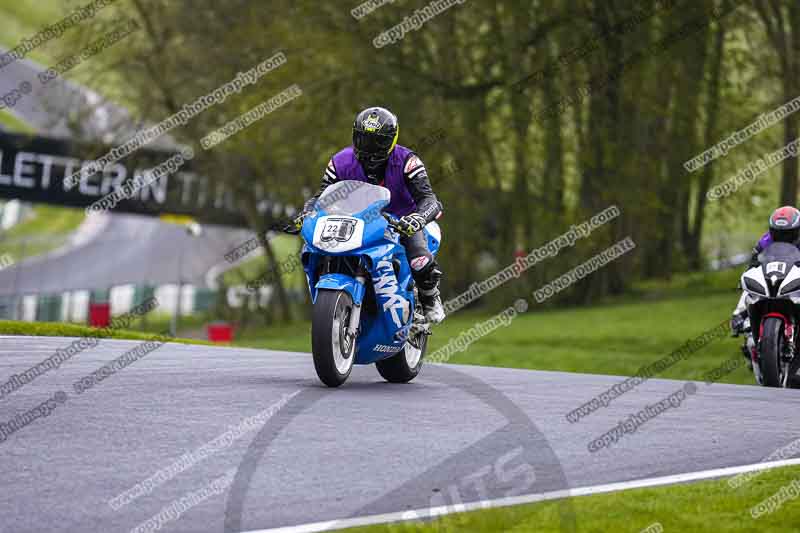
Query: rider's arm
x,y
328,179
762,243
419,185
754,257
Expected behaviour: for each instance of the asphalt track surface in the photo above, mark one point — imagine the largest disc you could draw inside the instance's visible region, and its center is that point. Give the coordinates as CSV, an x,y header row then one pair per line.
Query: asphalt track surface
x,y
130,249
456,434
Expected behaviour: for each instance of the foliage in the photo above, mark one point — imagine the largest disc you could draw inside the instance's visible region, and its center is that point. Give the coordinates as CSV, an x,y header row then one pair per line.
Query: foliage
x,y
644,87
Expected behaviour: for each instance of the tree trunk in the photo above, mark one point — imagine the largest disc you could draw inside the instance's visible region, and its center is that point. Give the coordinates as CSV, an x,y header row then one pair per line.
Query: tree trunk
x,y
709,138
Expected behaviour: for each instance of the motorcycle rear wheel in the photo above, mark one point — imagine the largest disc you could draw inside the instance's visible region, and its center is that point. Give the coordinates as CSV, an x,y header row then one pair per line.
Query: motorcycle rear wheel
x,y
405,365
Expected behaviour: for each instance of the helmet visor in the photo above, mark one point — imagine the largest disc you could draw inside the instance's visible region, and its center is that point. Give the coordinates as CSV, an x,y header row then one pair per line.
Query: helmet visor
x,y
372,144
786,235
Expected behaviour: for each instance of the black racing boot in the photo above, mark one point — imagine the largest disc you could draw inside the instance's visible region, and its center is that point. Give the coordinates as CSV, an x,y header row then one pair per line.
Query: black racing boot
x,y
428,286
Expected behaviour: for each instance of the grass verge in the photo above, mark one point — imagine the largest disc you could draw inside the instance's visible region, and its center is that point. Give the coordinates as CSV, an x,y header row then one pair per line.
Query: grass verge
x,y
45,231
23,18
13,124
615,339
703,507
53,329
252,269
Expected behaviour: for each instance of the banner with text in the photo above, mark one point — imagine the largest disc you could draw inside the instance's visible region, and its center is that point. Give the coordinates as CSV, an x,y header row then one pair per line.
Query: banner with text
x,y
33,169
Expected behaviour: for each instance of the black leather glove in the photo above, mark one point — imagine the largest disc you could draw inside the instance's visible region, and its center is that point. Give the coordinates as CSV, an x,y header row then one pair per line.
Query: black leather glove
x,y
411,224
296,223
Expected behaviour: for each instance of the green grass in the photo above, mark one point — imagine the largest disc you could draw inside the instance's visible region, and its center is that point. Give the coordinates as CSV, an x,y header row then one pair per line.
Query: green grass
x,y
610,339
13,124
705,507
23,18
688,284
45,231
54,329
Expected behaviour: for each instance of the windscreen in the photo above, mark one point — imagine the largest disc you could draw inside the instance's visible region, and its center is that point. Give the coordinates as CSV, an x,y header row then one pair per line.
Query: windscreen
x,y
350,197
780,251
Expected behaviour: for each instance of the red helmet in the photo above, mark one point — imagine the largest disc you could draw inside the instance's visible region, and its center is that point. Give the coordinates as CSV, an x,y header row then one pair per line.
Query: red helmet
x,y
784,224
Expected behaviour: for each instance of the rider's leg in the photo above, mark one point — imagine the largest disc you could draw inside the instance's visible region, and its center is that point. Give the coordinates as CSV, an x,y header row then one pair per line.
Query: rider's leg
x,y
741,307
739,316
426,273
740,325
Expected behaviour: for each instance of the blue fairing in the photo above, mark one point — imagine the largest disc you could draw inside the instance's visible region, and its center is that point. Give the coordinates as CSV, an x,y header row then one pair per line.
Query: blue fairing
x,y
340,282
387,316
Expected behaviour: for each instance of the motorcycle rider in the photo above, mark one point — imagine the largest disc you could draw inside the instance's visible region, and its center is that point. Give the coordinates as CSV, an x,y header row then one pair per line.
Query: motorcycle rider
x,y
784,226
376,158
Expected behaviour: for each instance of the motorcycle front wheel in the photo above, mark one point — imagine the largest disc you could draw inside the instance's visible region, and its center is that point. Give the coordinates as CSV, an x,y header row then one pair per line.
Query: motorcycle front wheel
x,y
771,350
331,345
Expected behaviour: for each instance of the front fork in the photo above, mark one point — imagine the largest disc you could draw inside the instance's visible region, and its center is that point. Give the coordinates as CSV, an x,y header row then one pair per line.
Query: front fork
x,y
355,316
750,350
789,352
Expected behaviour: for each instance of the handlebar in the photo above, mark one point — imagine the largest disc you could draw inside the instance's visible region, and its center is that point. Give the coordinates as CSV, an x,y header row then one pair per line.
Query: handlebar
x,y
286,227
291,229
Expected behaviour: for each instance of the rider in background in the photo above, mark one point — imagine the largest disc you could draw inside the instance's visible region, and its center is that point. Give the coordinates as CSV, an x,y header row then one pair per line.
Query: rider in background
x,y
376,158
784,226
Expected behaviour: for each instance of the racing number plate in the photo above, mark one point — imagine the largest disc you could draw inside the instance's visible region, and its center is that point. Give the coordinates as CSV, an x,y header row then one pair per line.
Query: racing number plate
x,y
338,229
776,266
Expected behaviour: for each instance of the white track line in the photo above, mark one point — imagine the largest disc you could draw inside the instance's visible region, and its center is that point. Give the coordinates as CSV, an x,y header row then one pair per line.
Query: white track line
x,y
436,512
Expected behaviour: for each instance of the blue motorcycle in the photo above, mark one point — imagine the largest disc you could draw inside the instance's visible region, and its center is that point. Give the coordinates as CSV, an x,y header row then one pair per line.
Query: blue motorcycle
x,y
364,297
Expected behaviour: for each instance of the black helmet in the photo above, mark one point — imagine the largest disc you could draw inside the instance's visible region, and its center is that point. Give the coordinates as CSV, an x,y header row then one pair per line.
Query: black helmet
x,y
375,133
784,225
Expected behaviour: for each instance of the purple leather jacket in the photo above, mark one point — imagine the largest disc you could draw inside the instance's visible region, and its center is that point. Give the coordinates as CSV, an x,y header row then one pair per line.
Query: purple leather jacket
x,y
763,242
348,168
404,175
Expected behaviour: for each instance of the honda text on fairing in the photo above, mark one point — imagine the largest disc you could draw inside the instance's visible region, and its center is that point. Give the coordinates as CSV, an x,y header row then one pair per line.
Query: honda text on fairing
x,y
365,299
773,302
